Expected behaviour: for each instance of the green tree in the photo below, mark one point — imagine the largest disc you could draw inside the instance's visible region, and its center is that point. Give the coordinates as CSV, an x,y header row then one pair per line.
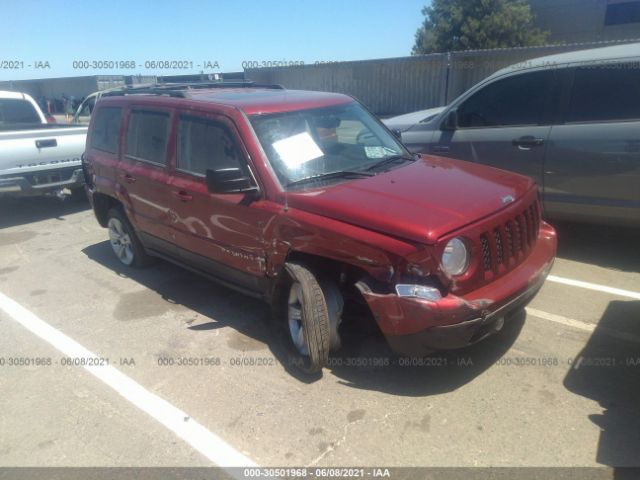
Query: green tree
x,y
476,24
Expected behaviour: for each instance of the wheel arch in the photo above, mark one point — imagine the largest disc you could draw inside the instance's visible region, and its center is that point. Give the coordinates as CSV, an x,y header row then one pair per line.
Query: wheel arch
x,y
102,204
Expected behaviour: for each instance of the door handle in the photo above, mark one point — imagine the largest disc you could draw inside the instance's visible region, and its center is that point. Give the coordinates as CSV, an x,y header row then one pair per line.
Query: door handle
x,y
183,196
128,178
52,142
527,142
440,149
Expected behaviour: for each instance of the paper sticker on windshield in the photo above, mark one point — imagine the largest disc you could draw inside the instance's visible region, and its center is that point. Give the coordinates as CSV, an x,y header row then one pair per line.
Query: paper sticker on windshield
x,y
375,152
298,149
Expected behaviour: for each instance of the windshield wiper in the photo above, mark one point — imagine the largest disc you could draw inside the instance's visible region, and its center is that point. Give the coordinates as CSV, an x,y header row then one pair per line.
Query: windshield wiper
x,y
328,175
391,159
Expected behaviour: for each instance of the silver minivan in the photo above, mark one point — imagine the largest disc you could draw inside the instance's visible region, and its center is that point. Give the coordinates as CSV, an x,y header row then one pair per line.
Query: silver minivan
x,y
570,121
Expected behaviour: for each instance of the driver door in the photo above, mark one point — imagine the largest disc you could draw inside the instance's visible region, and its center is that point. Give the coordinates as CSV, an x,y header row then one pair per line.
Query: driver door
x,y
218,233
504,124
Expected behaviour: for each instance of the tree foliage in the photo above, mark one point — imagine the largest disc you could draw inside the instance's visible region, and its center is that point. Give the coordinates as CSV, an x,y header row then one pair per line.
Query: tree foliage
x,y
476,24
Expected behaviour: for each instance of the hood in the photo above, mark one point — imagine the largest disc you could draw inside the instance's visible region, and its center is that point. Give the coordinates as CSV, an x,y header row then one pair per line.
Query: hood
x,y
421,201
408,120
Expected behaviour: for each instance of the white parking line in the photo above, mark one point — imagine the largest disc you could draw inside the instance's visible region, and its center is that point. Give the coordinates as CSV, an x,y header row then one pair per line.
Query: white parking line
x,y
587,327
594,286
180,423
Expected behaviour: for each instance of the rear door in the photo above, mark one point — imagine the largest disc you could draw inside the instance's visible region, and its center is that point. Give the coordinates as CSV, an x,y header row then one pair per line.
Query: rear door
x,y
221,234
143,176
504,124
592,169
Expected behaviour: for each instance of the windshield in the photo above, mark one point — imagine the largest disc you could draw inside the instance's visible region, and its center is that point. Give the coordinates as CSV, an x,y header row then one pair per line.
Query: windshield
x,y
312,143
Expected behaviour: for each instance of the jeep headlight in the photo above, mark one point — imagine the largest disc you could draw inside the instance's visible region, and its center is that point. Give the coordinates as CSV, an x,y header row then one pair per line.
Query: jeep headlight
x,y
455,258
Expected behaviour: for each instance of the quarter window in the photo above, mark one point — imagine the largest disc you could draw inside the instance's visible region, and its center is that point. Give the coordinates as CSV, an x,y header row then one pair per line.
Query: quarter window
x,y
205,144
606,92
147,136
106,129
518,100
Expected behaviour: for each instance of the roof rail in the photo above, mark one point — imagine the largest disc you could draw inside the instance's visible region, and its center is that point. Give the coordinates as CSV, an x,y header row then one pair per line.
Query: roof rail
x,y
181,89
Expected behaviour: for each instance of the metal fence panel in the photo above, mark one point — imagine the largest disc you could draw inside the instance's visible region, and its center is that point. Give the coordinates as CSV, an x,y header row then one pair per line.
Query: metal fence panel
x,y
388,86
394,86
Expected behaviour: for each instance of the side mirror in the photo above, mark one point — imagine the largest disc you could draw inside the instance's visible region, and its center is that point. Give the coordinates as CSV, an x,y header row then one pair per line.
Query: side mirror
x,y
451,121
229,180
397,133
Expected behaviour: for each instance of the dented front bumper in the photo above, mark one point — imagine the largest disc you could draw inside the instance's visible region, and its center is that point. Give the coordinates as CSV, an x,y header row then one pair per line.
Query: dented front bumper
x,y
415,326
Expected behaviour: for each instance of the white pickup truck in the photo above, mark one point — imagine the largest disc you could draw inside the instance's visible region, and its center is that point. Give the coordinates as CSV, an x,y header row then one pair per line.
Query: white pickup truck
x,y
37,157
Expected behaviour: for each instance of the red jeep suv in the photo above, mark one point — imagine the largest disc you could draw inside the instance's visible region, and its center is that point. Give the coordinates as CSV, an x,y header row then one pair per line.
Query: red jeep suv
x,y
306,200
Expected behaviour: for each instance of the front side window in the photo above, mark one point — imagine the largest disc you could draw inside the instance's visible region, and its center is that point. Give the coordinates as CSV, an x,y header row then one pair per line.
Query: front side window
x,y
606,92
106,129
204,144
315,143
13,111
147,136
513,101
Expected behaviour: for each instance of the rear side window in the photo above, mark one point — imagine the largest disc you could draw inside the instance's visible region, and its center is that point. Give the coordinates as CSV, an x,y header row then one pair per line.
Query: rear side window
x,y
106,129
14,110
605,93
205,144
517,100
147,136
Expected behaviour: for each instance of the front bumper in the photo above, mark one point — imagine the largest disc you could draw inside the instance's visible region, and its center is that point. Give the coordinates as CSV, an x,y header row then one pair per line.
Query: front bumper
x,y
417,327
40,183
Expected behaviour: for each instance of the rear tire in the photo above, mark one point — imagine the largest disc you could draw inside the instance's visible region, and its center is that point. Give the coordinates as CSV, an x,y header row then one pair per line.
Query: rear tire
x,y
307,319
124,241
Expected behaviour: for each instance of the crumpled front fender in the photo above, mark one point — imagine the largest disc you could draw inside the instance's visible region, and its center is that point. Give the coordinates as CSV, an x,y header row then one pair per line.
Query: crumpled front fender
x,y
403,315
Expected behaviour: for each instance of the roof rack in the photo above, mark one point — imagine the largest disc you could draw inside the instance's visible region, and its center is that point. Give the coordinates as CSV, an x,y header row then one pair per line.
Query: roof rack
x,y
181,89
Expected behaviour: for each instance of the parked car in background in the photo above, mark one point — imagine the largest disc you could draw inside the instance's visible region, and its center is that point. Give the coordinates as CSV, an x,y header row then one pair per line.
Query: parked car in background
x,y
409,120
84,110
37,156
306,200
49,118
569,121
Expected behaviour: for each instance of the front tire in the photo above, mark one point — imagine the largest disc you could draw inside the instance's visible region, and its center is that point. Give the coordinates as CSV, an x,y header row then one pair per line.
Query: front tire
x,y
124,241
307,318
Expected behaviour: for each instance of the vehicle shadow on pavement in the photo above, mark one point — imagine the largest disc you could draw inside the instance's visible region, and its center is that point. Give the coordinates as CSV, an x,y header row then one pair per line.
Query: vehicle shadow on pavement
x,y
607,370
610,247
178,286
357,364
217,305
21,211
364,362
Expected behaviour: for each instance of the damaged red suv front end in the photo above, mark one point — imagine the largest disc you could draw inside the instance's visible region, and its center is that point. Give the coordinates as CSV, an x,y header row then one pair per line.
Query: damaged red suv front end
x,y
511,254
420,210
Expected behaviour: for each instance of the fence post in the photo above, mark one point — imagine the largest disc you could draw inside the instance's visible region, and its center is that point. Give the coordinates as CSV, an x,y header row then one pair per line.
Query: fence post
x,y
446,79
